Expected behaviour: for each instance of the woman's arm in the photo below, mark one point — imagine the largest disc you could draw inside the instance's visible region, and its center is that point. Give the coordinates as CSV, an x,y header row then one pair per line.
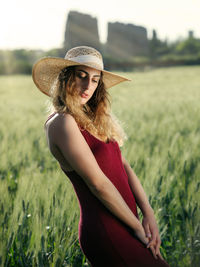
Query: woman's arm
x,y
149,222
137,189
65,134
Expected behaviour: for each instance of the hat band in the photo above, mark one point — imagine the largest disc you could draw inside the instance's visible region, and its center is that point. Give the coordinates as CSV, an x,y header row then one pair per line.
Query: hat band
x,y
87,59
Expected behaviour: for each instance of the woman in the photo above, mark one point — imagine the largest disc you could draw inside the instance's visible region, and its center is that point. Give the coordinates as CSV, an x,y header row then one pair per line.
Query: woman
x,y
84,138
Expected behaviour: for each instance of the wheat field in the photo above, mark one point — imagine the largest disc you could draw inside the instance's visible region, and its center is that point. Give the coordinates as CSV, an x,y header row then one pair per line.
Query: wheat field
x,y
160,113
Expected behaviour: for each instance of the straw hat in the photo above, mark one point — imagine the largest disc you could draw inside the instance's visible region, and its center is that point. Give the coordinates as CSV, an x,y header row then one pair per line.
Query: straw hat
x,y
46,71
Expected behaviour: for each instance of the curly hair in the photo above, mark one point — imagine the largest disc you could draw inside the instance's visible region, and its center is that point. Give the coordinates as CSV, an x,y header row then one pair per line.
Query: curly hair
x,y
95,116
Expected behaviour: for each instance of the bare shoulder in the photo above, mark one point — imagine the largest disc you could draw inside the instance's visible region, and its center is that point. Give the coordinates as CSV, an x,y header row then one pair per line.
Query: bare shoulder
x,y
61,120
62,123
70,148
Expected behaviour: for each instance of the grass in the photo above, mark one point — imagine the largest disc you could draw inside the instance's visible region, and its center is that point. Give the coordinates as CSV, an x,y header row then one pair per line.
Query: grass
x,y
160,113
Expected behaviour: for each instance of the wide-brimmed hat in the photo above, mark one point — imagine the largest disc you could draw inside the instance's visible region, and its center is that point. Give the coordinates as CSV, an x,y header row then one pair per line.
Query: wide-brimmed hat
x,y
46,71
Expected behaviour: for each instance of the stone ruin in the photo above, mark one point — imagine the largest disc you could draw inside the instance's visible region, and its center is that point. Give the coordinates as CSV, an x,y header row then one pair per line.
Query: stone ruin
x,y
81,29
123,42
126,40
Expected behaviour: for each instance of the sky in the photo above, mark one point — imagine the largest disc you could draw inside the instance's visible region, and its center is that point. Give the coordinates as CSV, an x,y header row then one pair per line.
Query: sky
x,y
40,24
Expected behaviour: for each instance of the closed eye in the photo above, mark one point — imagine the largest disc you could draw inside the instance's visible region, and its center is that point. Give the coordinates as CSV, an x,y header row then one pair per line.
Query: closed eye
x,y
84,75
81,75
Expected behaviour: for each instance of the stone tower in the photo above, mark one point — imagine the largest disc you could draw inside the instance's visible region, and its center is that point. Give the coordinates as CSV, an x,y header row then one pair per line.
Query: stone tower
x,y
81,29
126,40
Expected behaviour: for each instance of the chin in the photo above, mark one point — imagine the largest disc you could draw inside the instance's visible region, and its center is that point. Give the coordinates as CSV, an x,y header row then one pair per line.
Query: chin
x,y
84,101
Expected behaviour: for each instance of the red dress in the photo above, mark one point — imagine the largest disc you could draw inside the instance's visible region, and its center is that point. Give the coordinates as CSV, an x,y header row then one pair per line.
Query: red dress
x,y
104,239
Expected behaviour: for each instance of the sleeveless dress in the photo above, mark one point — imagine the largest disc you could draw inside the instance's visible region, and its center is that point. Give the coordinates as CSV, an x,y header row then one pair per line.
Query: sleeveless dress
x,y
104,239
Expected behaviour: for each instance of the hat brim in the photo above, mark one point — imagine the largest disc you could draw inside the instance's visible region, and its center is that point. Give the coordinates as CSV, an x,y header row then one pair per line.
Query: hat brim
x,y
45,73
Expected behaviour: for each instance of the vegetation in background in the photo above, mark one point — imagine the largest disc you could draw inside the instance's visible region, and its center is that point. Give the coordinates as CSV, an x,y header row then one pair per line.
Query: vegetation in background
x,y
160,113
161,53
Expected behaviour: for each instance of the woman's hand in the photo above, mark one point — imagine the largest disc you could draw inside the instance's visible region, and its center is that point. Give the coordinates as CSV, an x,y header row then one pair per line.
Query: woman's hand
x,y
140,234
153,251
149,222
152,233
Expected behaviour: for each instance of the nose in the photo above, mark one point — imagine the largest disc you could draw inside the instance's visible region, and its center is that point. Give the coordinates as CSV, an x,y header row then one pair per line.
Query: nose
x,y
86,83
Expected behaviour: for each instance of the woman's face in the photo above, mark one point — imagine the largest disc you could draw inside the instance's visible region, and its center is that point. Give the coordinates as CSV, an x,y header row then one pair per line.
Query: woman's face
x,y
86,82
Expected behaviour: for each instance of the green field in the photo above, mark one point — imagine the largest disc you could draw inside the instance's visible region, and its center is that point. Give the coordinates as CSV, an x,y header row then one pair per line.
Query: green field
x,y
160,112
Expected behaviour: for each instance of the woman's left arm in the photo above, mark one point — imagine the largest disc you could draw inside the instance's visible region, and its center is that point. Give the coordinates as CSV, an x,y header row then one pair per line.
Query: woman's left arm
x,y
149,222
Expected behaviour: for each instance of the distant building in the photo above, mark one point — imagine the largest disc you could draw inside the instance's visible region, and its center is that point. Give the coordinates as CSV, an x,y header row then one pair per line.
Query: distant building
x,y
126,40
81,29
190,34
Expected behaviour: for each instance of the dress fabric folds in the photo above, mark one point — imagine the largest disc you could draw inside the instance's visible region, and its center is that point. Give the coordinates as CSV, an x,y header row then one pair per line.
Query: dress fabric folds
x,y
104,239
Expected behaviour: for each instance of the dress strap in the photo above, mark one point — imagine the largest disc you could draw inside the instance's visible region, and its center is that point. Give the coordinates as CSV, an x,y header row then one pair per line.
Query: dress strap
x,y
49,117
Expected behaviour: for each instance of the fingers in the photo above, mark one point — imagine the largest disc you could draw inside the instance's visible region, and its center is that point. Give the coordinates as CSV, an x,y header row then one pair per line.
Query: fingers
x,y
160,256
158,242
147,230
140,234
156,255
151,243
155,240
154,236
152,232
153,251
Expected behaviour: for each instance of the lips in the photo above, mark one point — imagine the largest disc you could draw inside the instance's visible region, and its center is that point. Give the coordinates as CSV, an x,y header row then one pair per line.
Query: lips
x,y
84,95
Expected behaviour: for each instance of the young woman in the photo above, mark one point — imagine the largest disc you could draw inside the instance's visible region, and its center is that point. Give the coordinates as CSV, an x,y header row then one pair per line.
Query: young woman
x,y
84,137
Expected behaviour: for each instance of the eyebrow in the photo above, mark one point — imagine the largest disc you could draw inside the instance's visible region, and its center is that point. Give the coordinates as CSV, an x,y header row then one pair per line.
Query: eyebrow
x,y
88,73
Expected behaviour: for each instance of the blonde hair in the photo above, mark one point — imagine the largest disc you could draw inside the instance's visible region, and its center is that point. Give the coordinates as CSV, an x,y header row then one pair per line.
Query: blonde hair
x,y
95,116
